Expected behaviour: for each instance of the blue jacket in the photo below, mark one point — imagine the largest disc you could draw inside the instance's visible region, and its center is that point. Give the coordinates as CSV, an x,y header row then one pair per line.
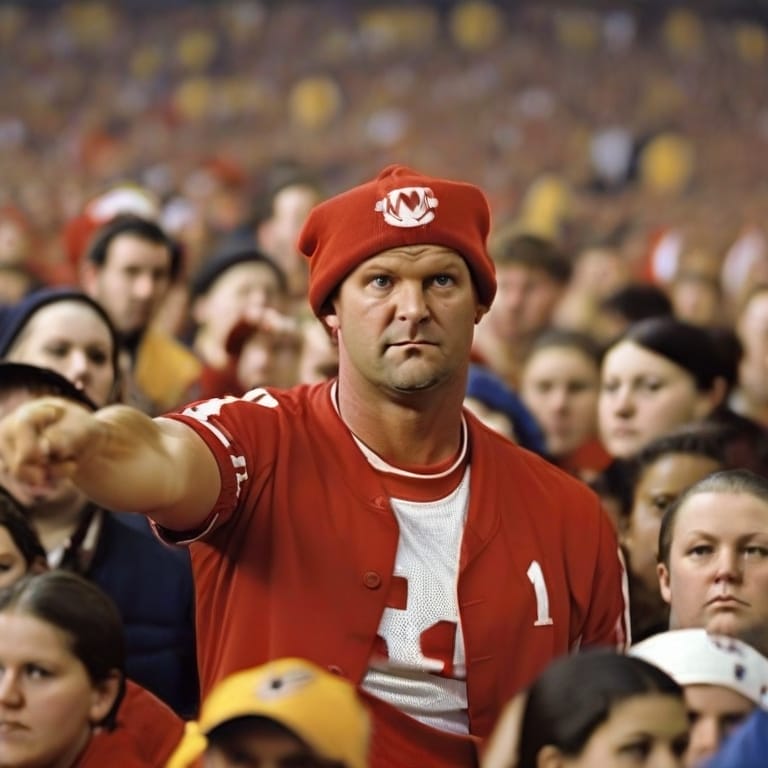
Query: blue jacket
x,y
152,585
747,746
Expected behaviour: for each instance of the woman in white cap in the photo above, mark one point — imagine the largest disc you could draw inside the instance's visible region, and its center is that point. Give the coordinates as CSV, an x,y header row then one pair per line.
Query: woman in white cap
x,y
723,678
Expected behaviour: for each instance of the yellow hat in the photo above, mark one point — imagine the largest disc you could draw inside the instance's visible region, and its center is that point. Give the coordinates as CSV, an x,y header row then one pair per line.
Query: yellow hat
x,y
321,709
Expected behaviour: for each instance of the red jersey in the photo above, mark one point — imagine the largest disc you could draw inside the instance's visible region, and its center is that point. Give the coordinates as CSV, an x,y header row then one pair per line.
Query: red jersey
x,y
297,556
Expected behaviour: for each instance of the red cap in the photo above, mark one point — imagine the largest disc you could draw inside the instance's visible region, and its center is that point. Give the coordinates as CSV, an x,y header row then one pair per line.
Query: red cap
x,y
399,207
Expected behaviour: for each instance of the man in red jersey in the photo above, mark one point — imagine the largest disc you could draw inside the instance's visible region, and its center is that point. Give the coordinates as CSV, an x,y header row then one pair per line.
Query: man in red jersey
x,y
368,523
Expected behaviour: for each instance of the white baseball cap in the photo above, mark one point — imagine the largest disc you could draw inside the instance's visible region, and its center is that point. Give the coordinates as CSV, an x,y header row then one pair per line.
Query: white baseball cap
x,y
694,657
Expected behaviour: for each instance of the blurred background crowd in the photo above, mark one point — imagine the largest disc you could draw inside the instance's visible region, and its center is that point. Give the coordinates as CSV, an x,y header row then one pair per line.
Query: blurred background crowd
x,y
158,161
579,118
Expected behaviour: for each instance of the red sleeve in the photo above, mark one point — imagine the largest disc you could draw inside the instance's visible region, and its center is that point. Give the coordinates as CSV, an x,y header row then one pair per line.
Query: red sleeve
x,y
241,433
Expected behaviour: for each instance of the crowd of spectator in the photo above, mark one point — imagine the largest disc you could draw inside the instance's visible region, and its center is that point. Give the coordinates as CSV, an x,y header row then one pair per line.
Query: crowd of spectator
x,y
169,172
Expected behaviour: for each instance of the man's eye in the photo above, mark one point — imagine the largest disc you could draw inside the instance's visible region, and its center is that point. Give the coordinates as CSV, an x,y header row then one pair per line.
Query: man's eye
x,y
443,280
381,281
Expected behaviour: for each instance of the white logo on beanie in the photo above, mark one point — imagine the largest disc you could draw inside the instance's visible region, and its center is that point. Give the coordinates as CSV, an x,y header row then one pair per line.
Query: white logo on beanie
x,y
408,206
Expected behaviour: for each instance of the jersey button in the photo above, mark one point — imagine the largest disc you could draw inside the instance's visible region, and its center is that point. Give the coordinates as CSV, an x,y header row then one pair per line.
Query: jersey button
x,y
371,579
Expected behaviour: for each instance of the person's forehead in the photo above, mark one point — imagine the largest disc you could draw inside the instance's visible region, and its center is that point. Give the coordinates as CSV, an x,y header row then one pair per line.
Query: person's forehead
x,y
416,252
721,510
69,309
129,247
629,352
517,270
669,465
556,356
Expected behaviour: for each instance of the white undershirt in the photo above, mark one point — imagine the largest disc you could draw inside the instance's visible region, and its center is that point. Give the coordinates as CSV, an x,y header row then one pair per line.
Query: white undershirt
x,y
427,684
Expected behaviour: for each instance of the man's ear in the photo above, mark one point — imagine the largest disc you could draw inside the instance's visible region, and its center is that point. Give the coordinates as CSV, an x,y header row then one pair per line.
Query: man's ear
x,y
332,325
480,312
664,582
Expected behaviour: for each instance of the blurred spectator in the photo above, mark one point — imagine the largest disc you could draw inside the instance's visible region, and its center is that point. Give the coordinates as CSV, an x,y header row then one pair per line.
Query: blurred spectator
x,y
560,383
128,269
532,275
581,707
662,470
724,680
750,397
286,712
67,331
627,305
660,374
501,409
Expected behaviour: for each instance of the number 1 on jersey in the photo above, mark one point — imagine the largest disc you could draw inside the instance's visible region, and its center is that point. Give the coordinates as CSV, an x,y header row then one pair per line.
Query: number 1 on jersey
x,y
536,576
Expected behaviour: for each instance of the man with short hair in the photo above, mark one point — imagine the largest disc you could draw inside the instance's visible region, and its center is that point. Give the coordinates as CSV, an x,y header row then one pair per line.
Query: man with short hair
x,y
128,269
368,523
532,275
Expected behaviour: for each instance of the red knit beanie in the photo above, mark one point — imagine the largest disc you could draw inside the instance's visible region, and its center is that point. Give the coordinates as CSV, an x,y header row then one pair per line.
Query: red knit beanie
x,y
399,207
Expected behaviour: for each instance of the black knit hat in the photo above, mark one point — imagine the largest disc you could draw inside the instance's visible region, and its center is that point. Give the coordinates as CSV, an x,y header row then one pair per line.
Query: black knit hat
x,y
41,381
14,318
220,262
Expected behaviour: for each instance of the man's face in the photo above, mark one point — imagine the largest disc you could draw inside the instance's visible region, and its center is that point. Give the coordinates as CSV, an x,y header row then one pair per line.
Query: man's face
x,y
255,743
132,282
713,711
280,233
717,575
525,302
405,320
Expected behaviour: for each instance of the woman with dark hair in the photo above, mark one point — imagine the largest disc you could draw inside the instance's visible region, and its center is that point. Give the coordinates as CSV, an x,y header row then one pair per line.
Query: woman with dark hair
x,y
61,670
144,729
601,709
660,374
